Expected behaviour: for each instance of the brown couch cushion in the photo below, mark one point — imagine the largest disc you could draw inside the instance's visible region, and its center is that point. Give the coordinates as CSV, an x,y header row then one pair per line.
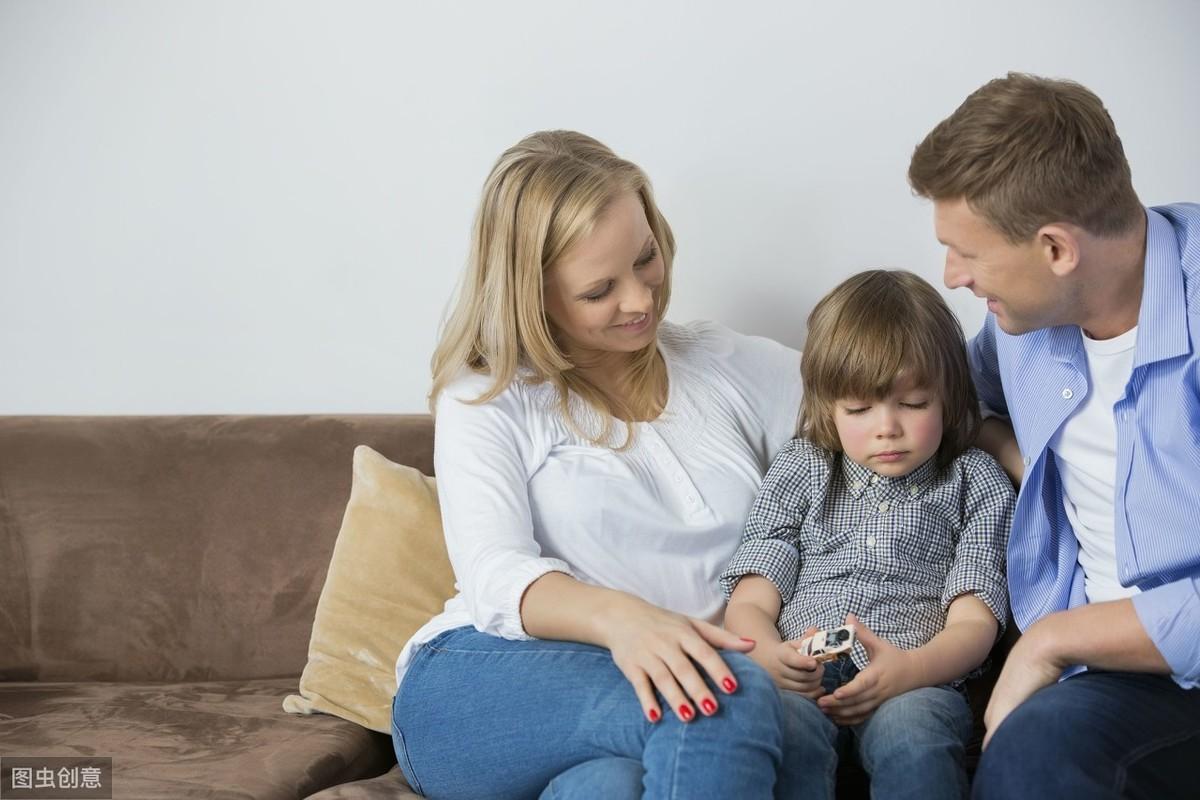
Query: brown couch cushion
x,y
174,548
388,786
193,740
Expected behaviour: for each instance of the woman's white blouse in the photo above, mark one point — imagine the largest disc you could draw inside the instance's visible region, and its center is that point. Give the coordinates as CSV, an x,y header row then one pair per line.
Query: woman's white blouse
x,y
521,494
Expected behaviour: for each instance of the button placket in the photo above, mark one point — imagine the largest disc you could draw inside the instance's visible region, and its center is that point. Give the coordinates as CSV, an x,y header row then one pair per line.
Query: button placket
x,y
671,465
866,534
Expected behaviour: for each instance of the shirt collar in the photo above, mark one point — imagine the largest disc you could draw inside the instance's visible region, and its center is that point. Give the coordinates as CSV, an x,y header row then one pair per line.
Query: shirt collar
x,y
1162,318
859,478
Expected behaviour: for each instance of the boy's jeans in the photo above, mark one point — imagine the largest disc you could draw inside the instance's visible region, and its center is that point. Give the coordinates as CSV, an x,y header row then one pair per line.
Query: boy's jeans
x,y
912,746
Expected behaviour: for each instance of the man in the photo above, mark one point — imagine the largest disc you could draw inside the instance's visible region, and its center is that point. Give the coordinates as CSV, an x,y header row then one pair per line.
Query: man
x,y
1089,348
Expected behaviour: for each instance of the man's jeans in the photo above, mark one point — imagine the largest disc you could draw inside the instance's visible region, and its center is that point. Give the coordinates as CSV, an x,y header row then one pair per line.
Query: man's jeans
x,y
1097,735
912,746
477,716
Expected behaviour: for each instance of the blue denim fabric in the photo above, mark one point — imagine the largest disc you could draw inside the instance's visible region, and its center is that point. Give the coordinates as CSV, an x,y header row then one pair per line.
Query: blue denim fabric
x,y
1097,735
911,747
617,778
478,716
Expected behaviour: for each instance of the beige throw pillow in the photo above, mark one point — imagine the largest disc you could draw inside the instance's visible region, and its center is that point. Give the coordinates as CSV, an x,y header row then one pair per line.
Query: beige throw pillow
x,y
388,576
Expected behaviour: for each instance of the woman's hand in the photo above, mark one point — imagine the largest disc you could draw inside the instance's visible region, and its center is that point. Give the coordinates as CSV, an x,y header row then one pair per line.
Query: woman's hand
x,y
664,651
892,671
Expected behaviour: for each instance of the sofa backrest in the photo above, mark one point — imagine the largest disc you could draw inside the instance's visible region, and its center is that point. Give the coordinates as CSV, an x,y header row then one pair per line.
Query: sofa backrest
x,y
174,548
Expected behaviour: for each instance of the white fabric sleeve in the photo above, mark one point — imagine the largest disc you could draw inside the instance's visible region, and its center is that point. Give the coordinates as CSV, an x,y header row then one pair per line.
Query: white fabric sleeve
x,y
767,374
483,457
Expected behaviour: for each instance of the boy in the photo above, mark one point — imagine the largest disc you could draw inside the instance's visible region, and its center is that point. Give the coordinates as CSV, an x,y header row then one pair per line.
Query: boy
x,y
881,517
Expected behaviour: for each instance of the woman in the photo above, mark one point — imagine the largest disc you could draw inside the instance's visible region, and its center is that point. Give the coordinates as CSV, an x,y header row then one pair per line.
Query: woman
x,y
595,466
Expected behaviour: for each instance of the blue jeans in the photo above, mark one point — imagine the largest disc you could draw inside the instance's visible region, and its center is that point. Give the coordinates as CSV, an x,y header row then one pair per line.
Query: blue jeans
x,y
477,716
911,747
1097,735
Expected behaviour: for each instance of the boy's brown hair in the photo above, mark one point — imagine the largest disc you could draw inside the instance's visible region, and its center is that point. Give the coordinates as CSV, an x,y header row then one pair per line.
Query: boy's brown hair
x,y
870,330
1024,151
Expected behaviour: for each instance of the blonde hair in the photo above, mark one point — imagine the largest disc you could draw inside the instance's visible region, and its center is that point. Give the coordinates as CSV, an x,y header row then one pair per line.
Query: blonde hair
x,y
873,328
544,195
1024,151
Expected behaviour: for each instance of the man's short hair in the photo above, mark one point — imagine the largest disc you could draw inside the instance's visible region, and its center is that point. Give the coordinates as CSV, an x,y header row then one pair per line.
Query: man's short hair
x,y
1025,151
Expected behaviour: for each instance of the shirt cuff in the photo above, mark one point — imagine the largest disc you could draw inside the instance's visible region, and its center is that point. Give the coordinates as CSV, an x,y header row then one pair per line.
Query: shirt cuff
x,y
995,598
510,625
1171,616
776,561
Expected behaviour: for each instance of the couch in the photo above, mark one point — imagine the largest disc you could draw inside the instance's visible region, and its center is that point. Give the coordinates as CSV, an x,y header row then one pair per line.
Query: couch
x,y
158,582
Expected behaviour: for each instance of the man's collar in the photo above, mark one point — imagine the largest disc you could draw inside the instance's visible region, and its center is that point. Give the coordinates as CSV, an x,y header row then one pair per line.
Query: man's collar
x,y
1162,319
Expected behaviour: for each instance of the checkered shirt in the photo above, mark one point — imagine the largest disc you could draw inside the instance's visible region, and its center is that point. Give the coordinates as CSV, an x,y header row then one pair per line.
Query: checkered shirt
x,y
835,537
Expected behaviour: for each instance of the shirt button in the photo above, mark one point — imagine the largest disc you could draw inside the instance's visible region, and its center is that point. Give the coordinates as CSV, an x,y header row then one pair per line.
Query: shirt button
x,y
1067,394
870,541
883,507
856,485
914,490
678,478
1025,460
691,498
874,479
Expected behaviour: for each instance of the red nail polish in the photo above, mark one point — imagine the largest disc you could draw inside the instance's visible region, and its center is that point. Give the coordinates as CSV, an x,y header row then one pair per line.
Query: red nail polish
x,y
751,641
686,713
730,685
653,715
709,706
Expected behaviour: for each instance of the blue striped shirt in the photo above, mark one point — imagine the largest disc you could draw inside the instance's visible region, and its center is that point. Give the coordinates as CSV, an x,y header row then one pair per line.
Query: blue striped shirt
x,y
1039,378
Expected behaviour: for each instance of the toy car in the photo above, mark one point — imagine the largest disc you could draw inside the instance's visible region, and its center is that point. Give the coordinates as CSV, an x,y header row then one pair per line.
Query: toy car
x,y
828,645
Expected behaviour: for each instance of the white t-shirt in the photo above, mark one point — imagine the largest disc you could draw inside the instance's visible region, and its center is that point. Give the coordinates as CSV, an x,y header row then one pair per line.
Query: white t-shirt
x,y
1085,449
521,494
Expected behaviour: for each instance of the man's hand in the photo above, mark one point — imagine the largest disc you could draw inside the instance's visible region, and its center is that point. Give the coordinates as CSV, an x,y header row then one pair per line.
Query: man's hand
x,y
1030,666
1105,635
892,671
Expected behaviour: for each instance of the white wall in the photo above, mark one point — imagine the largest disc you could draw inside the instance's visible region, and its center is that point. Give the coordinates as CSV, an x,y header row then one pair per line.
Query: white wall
x,y
263,207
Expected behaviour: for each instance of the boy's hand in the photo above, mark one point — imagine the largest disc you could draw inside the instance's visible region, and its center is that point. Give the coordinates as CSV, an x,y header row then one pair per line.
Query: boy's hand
x,y
794,672
892,671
